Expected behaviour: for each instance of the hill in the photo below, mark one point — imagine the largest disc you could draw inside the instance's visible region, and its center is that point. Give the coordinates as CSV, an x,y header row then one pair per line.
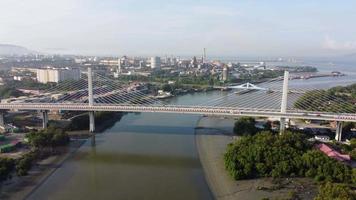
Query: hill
x,y
9,49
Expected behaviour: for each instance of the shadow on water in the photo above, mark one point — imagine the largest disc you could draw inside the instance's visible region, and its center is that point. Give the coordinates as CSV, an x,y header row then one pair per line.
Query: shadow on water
x,y
109,158
157,129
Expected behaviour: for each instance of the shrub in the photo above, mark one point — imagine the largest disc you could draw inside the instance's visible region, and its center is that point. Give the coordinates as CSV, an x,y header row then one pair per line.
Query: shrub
x,y
24,164
6,166
50,137
330,191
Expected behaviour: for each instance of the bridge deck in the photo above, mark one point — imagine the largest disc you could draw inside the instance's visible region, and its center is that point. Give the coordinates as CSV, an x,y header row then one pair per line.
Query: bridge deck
x,y
204,110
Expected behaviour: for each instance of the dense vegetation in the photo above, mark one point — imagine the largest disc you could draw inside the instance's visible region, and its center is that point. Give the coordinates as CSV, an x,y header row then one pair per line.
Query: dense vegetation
x,y
7,91
346,149
298,69
258,75
6,166
245,126
332,191
50,137
287,155
29,84
101,118
24,164
340,99
40,141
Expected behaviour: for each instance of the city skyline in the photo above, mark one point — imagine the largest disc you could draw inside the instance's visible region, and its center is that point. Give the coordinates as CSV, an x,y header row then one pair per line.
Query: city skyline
x,y
225,28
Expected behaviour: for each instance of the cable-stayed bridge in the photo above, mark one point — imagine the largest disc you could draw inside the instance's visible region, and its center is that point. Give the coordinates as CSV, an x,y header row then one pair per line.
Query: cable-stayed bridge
x,y
96,92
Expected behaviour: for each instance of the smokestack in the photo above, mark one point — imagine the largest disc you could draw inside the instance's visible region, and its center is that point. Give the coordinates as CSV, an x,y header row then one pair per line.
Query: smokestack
x,y
204,55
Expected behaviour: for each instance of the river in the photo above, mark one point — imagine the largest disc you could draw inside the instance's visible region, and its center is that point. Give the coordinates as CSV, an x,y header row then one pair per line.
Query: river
x,y
143,156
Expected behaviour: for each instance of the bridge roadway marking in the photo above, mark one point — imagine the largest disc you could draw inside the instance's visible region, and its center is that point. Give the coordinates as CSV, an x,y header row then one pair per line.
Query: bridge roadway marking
x,y
225,111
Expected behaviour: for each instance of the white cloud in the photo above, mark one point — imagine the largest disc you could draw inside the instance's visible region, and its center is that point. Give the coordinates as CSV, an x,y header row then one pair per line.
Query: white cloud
x,y
331,44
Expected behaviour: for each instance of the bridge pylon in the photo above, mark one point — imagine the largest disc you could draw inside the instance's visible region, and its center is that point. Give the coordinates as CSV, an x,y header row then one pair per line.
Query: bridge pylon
x,y
91,103
284,102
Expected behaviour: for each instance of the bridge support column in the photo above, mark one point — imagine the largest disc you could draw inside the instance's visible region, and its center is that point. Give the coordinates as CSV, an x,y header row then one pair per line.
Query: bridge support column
x,y
284,102
92,127
338,131
2,118
44,118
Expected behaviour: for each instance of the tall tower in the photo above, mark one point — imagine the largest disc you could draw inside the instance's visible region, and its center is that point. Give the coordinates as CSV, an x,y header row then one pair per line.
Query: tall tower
x,y
225,73
118,71
204,55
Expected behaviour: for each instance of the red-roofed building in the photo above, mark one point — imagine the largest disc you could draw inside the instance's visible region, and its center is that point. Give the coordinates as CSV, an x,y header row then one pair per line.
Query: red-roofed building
x,y
333,153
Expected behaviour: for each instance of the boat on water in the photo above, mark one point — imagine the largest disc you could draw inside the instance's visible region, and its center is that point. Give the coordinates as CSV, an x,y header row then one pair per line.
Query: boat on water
x,y
163,95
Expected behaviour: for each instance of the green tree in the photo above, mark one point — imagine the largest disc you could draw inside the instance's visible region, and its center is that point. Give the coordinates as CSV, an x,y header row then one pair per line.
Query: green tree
x,y
167,88
353,143
354,175
245,126
25,163
50,137
6,166
7,91
331,191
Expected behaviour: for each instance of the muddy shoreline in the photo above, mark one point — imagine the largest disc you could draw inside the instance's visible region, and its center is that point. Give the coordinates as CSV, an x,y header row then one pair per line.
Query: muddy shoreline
x,y
212,136
21,187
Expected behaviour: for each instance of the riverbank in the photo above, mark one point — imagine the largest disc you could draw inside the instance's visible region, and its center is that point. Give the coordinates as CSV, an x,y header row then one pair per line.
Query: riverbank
x,y
21,187
212,137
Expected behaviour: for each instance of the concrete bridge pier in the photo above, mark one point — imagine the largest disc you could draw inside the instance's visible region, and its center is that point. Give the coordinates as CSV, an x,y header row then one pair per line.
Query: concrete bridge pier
x,y
44,118
2,118
282,126
338,132
92,127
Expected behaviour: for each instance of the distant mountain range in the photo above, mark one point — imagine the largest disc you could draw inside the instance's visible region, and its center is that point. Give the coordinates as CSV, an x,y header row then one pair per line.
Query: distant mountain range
x,y
9,49
353,55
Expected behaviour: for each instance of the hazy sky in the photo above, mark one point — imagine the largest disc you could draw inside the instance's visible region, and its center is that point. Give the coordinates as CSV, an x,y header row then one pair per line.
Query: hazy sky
x,y
224,27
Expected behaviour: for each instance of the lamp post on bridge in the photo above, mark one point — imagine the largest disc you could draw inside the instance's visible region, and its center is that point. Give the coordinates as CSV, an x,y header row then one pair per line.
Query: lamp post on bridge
x,y
284,102
91,103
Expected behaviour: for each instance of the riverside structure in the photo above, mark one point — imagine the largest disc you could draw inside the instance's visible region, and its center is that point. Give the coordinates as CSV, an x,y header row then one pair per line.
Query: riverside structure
x,y
137,101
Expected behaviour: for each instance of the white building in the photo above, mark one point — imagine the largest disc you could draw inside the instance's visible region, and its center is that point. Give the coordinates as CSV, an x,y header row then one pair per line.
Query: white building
x,y
56,75
18,78
155,62
225,74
